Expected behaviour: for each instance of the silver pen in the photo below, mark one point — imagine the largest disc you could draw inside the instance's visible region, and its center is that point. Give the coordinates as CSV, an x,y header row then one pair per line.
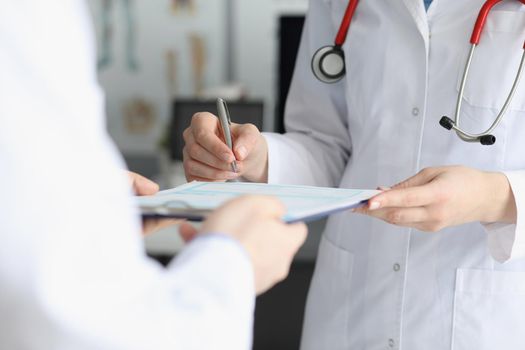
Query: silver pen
x,y
224,118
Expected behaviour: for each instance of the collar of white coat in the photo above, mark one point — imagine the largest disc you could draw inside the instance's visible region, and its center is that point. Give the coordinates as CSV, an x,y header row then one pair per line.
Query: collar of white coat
x,y
417,10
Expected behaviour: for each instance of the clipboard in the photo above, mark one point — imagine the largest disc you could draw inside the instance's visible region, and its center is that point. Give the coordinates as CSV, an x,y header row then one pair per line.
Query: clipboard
x,y
196,200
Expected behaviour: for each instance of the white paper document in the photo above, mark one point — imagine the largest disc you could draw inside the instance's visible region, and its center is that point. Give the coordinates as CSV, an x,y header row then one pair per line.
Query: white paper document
x,y
195,200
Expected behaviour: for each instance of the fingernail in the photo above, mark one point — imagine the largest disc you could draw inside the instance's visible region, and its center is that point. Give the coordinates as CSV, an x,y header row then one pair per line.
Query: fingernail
x,y
242,152
384,188
374,205
226,157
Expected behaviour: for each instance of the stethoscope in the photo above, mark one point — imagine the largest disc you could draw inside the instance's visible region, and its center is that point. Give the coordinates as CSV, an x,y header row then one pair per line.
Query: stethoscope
x,y
328,65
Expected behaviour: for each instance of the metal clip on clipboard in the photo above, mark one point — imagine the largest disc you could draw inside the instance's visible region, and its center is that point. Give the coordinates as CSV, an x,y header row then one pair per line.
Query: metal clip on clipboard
x,y
175,209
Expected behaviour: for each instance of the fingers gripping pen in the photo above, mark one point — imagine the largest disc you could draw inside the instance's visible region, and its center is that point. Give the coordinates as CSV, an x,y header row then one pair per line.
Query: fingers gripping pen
x,y
224,118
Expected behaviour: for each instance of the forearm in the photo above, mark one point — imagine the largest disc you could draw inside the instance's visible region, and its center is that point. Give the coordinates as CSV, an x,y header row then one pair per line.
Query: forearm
x,y
216,284
204,300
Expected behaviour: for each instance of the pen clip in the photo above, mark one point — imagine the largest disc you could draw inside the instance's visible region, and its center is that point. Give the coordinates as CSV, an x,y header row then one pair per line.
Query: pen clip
x,y
227,112
225,109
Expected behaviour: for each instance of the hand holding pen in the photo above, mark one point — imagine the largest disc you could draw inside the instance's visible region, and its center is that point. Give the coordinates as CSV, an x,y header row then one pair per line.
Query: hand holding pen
x,y
207,157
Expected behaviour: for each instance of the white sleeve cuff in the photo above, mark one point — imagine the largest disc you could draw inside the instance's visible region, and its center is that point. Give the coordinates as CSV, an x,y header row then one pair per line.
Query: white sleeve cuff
x,y
507,241
274,167
296,159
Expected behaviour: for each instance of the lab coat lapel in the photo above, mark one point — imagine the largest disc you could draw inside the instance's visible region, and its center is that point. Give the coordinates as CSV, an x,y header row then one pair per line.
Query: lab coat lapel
x,y
418,13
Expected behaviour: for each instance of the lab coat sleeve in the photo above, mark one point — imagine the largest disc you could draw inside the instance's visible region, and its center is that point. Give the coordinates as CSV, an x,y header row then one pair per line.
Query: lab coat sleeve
x,y
507,241
317,145
73,271
214,278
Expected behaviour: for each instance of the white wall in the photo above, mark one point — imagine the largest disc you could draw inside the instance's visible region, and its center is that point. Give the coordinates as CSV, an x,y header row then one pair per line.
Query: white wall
x,y
158,30
255,57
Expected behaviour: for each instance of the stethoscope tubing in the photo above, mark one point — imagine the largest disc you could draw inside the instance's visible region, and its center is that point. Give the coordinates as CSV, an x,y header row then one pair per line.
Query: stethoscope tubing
x,y
482,19
475,40
486,137
345,24
471,137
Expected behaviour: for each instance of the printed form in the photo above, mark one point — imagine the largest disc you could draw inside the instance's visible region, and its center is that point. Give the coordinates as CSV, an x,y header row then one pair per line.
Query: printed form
x,y
196,200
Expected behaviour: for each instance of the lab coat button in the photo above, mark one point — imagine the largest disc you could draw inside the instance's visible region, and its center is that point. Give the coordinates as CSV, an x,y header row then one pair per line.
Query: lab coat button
x,y
397,267
415,112
391,342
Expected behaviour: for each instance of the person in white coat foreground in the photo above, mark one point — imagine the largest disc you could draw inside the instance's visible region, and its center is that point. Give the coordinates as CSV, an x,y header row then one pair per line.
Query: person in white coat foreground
x,y
390,283
73,272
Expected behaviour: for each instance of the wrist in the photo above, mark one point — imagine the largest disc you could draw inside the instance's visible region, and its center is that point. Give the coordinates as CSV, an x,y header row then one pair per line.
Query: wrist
x,y
500,199
257,168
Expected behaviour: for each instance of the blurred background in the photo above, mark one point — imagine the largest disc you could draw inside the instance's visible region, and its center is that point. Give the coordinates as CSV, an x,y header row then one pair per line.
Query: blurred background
x,y
160,61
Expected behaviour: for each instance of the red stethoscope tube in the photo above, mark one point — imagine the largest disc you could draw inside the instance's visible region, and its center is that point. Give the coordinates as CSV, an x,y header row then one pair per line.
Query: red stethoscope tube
x,y
482,18
474,39
345,24
486,137
328,65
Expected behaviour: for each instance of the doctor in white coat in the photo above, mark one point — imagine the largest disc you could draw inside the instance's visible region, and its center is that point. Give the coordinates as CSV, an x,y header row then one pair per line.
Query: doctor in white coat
x,y
73,270
445,268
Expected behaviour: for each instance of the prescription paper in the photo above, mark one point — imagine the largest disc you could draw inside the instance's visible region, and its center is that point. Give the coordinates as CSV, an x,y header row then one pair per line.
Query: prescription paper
x,y
303,203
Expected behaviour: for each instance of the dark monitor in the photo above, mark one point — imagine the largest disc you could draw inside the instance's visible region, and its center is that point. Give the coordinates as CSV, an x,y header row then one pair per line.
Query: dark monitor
x,y
290,31
241,112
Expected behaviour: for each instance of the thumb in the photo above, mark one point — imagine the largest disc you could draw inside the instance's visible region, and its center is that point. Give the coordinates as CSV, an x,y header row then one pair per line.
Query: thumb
x,y
187,232
141,185
298,233
246,137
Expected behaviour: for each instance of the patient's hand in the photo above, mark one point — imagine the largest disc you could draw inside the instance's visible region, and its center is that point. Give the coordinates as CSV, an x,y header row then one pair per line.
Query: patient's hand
x,y
256,222
145,187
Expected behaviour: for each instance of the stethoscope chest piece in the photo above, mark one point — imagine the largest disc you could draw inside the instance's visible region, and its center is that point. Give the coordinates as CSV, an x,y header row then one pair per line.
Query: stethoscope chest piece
x,y
328,64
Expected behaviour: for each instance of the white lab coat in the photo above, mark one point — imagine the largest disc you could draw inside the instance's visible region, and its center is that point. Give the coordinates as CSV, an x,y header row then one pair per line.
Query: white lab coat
x,y
73,273
378,286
